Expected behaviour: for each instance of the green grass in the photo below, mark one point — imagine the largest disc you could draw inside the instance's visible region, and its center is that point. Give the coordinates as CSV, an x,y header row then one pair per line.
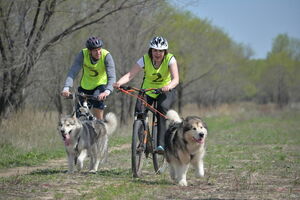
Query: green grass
x,y
13,157
29,138
250,155
255,143
24,143
117,139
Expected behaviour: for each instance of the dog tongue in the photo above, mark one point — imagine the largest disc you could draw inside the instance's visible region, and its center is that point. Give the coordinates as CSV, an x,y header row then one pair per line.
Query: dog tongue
x,y
67,140
200,141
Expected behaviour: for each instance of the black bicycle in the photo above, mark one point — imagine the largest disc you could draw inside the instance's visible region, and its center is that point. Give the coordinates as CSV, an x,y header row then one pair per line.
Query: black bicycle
x,y
144,135
81,105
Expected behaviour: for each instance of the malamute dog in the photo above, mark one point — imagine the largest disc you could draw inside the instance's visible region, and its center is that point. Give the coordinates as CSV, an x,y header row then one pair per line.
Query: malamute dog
x,y
86,138
185,145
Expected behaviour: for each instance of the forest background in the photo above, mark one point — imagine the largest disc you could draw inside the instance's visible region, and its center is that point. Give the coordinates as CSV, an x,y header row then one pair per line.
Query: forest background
x,y
39,40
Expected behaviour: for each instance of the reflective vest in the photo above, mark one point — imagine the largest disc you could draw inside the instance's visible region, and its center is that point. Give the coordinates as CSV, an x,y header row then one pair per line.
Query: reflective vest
x,y
156,78
93,74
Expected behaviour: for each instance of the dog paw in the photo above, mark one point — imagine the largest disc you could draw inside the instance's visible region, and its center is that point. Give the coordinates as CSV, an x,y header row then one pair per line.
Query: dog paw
x,y
199,174
93,171
182,183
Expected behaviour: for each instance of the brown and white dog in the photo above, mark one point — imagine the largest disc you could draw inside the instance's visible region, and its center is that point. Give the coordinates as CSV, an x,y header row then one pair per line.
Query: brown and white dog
x,y
185,145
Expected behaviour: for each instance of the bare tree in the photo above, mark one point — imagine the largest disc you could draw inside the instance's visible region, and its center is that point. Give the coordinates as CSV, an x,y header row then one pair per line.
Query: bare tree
x,y
26,34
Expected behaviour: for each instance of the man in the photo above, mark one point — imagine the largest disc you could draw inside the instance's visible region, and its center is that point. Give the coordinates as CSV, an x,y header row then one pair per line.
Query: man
x,y
97,77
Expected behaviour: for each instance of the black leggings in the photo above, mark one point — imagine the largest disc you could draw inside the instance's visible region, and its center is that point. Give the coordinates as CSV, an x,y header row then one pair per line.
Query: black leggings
x,y
164,102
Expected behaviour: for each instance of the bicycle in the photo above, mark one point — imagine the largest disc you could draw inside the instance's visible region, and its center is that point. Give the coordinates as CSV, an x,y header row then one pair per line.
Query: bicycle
x,y
81,106
144,135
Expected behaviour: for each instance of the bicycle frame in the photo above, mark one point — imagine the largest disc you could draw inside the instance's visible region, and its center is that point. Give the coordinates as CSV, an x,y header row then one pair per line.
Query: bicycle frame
x,y
145,142
145,119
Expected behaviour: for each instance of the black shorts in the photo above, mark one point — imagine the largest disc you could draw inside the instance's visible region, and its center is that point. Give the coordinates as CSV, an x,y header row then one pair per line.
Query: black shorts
x,y
94,103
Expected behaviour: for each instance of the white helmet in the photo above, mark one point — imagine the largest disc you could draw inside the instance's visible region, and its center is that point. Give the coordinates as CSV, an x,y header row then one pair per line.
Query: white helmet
x,y
158,43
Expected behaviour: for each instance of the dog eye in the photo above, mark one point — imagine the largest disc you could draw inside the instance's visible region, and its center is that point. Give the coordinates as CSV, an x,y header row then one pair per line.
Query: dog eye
x,y
194,128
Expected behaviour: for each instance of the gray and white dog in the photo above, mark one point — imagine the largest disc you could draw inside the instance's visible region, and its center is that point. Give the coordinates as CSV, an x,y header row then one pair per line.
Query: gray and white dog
x,y
185,145
86,138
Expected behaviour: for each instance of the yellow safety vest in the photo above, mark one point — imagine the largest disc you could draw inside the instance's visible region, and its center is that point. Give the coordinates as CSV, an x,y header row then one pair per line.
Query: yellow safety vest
x,y
156,78
93,74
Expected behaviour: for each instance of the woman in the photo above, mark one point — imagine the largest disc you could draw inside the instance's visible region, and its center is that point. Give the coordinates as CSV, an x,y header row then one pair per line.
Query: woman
x,y
160,71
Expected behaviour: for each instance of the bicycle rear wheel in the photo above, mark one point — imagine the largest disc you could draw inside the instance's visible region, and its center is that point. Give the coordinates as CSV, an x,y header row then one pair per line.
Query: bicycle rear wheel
x,y
137,148
158,159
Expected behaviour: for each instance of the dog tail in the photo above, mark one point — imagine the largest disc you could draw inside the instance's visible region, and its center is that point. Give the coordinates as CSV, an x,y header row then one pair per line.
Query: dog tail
x,y
110,122
173,115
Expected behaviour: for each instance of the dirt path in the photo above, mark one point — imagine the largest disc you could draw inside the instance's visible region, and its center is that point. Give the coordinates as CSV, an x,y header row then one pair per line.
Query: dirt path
x,y
62,162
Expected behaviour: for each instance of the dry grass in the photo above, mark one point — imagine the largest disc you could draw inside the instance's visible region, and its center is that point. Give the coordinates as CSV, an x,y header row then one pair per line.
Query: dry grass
x,y
30,129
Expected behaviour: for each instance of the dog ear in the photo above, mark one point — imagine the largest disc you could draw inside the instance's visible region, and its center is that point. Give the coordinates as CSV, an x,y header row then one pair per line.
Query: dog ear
x,y
205,126
186,125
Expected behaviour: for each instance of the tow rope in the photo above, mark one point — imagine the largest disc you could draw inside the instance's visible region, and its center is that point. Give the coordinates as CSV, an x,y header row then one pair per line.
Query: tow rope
x,y
130,93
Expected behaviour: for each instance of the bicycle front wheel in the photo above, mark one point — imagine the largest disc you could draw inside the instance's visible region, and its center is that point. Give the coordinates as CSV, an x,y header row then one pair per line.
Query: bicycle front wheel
x,y
137,148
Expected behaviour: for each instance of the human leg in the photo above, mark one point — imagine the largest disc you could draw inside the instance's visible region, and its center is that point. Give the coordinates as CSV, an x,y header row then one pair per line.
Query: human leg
x,y
99,113
164,103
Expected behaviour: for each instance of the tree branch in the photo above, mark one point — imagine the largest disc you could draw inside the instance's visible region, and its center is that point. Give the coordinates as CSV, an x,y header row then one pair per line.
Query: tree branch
x,y
36,16
80,23
198,78
2,51
4,20
49,10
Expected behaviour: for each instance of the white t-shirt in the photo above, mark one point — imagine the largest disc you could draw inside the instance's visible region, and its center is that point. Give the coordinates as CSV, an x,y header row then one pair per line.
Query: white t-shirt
x,y
141,63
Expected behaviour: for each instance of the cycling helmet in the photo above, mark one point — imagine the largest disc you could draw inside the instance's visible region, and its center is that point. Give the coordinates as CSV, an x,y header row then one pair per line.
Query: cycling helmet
x,y
158,43
93,43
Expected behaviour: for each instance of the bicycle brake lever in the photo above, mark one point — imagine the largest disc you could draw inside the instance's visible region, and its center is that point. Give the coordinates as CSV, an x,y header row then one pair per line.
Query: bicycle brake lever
x,y
157,91
125,87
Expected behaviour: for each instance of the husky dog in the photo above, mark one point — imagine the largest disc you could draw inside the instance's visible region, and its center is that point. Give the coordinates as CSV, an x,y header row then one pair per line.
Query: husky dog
x,y
185,144
86,138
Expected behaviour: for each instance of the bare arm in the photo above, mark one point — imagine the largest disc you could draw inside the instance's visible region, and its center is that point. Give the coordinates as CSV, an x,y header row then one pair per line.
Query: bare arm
x,y
129,76
175,77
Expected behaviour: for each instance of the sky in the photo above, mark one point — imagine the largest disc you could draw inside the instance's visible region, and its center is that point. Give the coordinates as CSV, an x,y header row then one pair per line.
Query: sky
x,y
254,23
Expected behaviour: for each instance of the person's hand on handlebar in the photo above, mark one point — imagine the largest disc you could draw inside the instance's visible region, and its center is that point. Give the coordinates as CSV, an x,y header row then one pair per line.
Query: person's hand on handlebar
x,y
102,96
166,88
65,93
117,85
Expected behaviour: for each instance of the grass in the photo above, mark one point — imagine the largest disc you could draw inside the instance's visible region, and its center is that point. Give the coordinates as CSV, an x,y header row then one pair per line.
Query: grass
x,y
252,153
29,138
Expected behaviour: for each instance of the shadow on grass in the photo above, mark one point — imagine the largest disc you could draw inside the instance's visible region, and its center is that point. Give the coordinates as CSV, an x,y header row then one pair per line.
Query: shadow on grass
x,y
126,173
152,182
116,172
48,172
107,173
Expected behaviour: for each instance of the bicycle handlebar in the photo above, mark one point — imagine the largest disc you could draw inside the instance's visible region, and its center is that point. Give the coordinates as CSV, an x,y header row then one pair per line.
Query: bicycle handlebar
x,y
86,96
